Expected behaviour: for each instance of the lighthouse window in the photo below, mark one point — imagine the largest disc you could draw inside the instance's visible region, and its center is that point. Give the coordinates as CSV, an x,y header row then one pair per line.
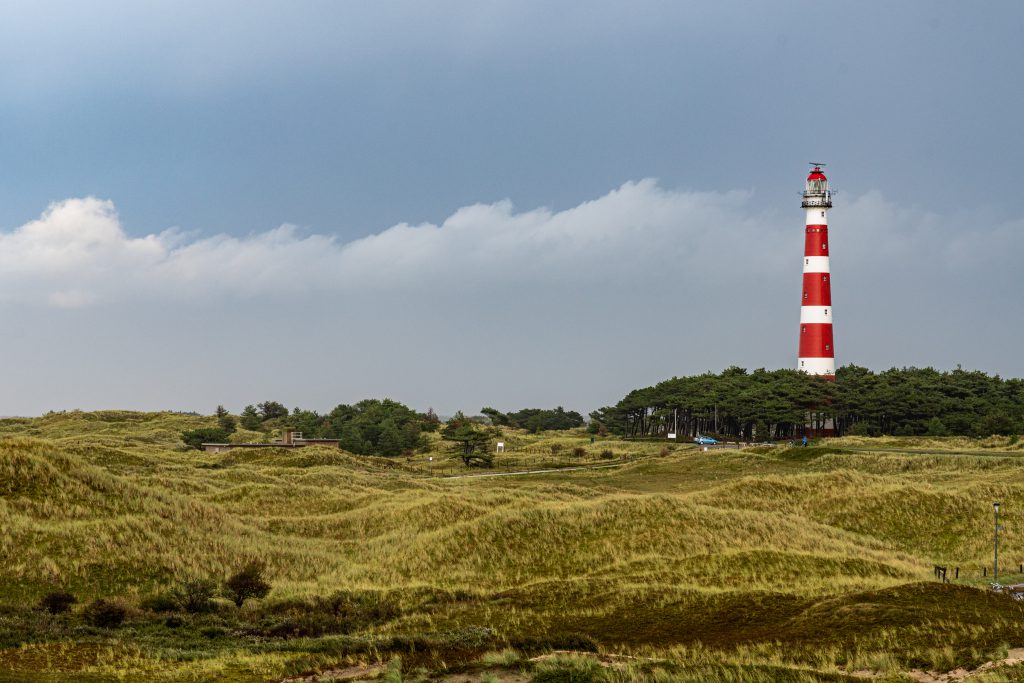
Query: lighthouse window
x,y
822,214
824,278
826,311
828,346
805,295
807,261
803,328
824,246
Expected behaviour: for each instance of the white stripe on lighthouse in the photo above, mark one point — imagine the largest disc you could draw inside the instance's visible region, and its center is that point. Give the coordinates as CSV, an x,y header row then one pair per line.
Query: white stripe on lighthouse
x,y
816,264
817,216
815,314
818,366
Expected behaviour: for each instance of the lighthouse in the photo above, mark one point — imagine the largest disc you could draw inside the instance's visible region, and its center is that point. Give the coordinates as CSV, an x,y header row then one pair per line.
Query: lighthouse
x,y
817,348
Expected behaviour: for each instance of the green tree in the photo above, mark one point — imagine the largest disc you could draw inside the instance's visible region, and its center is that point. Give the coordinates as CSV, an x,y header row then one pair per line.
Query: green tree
x,y
471,441
195,438
496,417
228,422
376,427
308,422
247,582
250,419
270,410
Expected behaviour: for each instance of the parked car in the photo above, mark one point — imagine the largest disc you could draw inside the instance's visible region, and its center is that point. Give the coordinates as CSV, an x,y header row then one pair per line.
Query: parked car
x,y
704,440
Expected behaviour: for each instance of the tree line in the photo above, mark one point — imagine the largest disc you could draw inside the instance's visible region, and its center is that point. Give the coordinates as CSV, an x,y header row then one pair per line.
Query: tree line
x,y
383,427
781,404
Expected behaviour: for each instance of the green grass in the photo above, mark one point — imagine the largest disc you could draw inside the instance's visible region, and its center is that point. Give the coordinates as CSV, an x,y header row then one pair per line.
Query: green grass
x,y
769,564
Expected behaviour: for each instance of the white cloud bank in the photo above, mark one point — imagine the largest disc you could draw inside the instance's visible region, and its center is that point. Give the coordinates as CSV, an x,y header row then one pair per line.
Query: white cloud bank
x,y
77,254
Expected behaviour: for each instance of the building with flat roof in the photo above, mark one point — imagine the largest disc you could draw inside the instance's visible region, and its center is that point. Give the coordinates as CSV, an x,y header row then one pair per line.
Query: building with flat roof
x,y
289,440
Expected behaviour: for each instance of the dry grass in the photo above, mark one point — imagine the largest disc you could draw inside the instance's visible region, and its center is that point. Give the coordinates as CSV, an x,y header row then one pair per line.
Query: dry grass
x,y
708,561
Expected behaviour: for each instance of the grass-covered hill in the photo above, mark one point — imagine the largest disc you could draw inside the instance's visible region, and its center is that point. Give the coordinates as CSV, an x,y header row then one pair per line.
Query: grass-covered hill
x,y
673,564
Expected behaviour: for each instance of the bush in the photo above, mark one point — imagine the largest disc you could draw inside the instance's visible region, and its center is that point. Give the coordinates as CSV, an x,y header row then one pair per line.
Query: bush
x,y
578,642
195,438
579,452
105,613
863,428
57,602
159,602
195,595
556,448
341,612
607,455
248,582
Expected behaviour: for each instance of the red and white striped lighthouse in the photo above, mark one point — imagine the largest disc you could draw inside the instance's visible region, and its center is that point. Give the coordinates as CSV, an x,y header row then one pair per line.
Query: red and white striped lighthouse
x,y
817,349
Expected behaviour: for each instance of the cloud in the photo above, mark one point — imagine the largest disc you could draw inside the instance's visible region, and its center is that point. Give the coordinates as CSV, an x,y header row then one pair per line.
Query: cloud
x,y
78,254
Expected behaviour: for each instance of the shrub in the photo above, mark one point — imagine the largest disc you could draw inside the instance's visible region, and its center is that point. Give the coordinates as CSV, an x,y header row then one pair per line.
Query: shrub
x,y
579,452
159,602
863,428
247,582
556,448
195,438
341,612
579,642
607,455
212,632
57,602
105,613
195,595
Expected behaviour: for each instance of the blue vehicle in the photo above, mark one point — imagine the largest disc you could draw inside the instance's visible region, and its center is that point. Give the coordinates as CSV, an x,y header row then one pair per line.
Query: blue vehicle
x,y
704,440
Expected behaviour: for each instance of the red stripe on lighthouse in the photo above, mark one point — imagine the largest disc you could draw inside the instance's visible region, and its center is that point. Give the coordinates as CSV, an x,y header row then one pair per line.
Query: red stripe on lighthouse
x,y
817,290
816,241
816,340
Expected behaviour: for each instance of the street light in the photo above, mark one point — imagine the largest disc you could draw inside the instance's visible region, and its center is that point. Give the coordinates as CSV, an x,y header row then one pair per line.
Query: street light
x,y
995,568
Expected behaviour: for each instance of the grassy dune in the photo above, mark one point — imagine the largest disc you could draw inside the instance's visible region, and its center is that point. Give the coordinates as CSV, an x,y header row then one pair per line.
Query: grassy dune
x,y
767,564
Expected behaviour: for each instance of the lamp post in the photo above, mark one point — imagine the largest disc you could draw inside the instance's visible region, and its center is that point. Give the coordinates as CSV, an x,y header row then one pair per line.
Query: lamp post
x,y
995,567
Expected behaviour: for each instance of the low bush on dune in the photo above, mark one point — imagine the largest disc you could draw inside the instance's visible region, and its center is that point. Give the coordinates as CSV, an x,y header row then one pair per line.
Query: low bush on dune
x,y
194,595
105,613
247,582
57,602
339,613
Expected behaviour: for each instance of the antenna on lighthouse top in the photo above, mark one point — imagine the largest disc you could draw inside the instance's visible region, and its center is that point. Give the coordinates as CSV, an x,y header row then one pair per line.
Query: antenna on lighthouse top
x,y
817,163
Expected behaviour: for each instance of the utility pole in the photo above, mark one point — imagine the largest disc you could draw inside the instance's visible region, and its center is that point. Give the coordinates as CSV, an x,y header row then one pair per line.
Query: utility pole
x,y
995,567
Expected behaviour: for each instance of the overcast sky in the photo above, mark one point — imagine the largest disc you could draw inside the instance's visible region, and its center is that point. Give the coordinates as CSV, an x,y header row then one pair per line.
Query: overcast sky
x,y
459,204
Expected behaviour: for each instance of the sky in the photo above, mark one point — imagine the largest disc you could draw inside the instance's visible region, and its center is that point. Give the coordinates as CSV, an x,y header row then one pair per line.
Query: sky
x,y
508,204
